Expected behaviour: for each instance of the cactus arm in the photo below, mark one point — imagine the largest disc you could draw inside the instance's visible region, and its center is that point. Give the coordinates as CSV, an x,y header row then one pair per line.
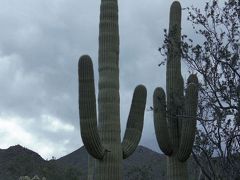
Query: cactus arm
x,y
160,121
192,79
188,120
134,128
87,108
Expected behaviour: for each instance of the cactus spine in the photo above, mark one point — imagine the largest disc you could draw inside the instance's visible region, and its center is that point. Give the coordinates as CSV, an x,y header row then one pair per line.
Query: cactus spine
x,y
175,120
102,140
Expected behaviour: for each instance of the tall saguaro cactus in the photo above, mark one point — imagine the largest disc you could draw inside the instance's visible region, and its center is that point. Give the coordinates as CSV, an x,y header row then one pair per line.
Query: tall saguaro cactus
x,y
102,140
175,120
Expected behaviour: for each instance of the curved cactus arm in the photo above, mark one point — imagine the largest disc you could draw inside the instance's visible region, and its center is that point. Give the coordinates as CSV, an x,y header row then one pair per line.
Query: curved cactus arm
x,y
192,79
188,120
87,108
134,128
160,121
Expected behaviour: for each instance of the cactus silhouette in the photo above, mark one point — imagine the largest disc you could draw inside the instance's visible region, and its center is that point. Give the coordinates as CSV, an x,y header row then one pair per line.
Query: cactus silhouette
x,y
102,140
175,120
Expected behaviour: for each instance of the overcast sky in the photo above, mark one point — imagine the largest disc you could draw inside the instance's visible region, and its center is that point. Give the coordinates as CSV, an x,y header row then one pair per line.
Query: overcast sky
x,y
40,44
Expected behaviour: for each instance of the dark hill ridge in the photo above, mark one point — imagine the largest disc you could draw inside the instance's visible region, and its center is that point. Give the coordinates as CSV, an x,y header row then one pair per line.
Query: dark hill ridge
x,y
8,154
17,161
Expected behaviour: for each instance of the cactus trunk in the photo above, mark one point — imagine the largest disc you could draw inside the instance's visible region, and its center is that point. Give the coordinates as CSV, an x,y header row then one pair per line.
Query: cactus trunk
x,y
176,170
175,120
103,141
108,96
91,167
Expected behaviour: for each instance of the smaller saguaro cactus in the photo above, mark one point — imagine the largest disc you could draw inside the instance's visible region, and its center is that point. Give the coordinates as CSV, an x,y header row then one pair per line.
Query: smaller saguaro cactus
x,y
175,119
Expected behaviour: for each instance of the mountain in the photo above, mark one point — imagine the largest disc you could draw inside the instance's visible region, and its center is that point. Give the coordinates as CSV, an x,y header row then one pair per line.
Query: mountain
x,y
18,161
